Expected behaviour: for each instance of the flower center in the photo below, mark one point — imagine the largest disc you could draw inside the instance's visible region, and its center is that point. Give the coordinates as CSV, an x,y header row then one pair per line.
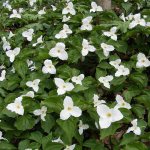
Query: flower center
x,y
108,115
69,108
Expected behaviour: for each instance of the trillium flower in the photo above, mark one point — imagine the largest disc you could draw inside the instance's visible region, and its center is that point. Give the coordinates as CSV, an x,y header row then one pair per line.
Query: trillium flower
x,y
13,53
78,79
137,21
111,33
31,65
106,80
59,51
71,147
29,94
53,8
86,23
42,12
58,140
31,2
39,41
34,84
82,127
115,63
7,5
64,32
142,61
41,112
28,34
108,115
1,137
97,102
135,129
10,35
2,75
63,86
121,103
65,18
69,109
107,49
15,14
95,7
16,106
86,47
122,71
48,67
6,44
69,9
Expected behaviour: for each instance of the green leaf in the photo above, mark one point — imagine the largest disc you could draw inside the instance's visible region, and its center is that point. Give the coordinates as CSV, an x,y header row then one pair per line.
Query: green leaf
x,y
136,146
53,146
36,136
7,146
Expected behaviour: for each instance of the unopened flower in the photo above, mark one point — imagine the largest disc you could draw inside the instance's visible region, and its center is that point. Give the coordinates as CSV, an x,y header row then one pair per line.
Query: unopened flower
x,y
71,147
28,34
10,35
59,51
15,14
41,112
86,23
1,137
53,8
95,7
34,84
2,75
82,127
42,12
112,33
63,86
16,106
31,65
78,79
39,41
97,102
69,9
6,44
122,71
58,140
69,109
107,49
115,63
31,2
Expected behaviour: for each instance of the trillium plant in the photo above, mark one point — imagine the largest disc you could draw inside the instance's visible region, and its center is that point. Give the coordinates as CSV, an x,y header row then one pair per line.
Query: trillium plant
x,y
75,75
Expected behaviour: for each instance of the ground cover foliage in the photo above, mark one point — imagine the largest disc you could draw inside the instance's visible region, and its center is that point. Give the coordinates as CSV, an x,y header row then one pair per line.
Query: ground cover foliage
x,y
74,76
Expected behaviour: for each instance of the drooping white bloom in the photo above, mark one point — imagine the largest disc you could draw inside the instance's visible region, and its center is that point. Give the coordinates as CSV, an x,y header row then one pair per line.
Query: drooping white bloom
x,y
95,7
42,12
65,18
64,32
86,23
78,79
142,61
10,35
97,102
39,41
121,103
137,20
122,71
115,63
16,106
7,5
108,115
58,140
63,86
106,80
28,34
82,127
59,51
48,67
1,137
112,33
135,129
69,9
71,147
107,49
86,47
41,112
29,94
2,75
69,109
13,53
31,2
6,44
15,14
53,8
34,84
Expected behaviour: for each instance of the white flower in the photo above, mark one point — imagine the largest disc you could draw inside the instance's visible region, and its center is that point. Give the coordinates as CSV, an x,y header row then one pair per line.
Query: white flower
x,y
108,115
28,34
34,84
48,67
6,44
137,21
7,5
41,112
58,140
59,51
31,65
53,8
107,49
63,86
2,75
69,9
42,12
105,80
10,35
13,53
31,2
148,24
29,94
2,138
82,127
71,147
125,0
69,109
122,71
65,18
142,61
97,102
86,47
115,63
78,79
121,103
64,32
15,14
86,23
95,7
39,40
135,129
16,106
111,33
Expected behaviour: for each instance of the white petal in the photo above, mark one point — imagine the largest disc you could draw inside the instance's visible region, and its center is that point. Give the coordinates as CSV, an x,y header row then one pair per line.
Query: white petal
x,y
64,115
104,123
76,112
